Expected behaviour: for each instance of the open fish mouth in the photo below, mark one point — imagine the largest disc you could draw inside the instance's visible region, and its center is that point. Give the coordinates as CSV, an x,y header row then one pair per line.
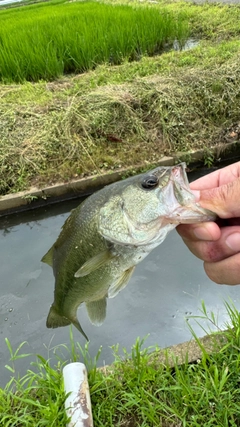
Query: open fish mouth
x,y
187,210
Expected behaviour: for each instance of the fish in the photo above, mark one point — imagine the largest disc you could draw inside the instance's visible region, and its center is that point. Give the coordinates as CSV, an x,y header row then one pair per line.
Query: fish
x,y
109,233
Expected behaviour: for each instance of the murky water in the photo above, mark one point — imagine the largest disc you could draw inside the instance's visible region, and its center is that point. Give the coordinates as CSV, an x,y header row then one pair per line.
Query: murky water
x,y
166,288
190,44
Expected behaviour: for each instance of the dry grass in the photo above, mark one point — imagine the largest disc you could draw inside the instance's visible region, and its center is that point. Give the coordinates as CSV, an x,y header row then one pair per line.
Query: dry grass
x,y
65,132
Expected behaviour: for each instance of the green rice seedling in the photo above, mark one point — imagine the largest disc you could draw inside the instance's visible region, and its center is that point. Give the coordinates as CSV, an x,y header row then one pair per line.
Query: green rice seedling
x,y
46,41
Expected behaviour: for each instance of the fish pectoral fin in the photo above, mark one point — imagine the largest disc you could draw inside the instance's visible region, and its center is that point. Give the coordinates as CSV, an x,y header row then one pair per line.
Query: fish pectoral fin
x,y
48,257
97,311
94,263
120,283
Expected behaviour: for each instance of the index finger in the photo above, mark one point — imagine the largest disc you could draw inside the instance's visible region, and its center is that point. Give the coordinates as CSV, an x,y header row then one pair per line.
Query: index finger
x,y
203,231
217,178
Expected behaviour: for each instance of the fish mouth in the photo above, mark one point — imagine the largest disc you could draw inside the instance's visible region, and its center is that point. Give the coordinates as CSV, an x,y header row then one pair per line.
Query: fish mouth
x,y
187,210
178,176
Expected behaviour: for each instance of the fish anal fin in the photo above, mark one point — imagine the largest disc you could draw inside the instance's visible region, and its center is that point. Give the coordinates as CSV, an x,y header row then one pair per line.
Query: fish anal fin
x,y
94,263
97,311
48,257
120,283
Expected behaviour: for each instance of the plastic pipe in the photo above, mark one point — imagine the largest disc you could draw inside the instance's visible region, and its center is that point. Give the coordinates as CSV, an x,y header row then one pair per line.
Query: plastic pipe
x,y
78,403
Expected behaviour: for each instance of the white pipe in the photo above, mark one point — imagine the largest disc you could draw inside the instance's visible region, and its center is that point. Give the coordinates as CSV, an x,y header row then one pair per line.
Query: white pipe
x,y
78,403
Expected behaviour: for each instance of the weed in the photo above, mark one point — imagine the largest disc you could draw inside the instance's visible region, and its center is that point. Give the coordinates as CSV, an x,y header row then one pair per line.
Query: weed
x,y
30,197
137,389
208,157
35,399
152,394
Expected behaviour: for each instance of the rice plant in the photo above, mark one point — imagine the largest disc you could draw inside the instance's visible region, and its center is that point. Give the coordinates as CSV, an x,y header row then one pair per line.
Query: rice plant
x,y
44,41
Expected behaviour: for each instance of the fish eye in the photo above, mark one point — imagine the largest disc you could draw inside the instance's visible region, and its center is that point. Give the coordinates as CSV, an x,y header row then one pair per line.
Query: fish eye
x,y
150,182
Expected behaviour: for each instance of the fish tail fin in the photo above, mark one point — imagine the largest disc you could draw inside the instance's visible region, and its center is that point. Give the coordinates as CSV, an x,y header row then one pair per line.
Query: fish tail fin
x,y
97,311
55,320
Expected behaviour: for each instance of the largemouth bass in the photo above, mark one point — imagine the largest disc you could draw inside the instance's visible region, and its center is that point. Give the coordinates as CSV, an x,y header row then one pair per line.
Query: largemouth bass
x,y
113,230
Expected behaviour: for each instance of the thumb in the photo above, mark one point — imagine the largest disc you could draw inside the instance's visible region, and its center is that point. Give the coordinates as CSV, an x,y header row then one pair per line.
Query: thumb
x,y
223,200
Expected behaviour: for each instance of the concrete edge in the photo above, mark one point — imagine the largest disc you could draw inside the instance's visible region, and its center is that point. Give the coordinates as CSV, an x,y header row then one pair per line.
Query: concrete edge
x,y
36,197
186,352
190,351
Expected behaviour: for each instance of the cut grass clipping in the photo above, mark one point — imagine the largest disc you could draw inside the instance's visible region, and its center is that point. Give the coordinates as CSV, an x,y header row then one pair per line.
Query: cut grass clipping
x,y
147,387
44,41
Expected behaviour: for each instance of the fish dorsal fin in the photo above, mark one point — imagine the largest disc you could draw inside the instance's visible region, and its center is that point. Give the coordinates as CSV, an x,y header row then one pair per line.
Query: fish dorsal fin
x,y
97,311
48,257
94,263
120,283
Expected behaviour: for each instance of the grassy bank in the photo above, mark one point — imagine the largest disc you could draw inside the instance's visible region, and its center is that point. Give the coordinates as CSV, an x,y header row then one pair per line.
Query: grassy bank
x,y
146,387
81,126
129,114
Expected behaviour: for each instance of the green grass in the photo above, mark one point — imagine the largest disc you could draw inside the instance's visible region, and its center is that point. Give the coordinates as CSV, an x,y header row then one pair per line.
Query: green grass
x,y
44,41
147,387
36,399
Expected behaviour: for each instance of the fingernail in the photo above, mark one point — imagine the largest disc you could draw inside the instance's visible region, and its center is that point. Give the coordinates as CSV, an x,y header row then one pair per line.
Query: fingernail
x,y
202,233
196,194
233,242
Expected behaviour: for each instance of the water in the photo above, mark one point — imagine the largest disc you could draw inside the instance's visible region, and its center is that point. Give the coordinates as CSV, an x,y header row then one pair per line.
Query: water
x,y
3,2
165,290
189,44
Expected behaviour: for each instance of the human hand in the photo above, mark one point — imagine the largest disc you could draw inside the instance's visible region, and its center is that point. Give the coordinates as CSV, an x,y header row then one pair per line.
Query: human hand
x,y
217,243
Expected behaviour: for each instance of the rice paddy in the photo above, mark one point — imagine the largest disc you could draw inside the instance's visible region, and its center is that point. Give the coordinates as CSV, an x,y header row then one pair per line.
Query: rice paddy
x,y
47,40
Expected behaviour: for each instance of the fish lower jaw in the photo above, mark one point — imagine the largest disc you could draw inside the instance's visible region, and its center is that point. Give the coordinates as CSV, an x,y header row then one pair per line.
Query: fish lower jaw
x,y
190,216
196,219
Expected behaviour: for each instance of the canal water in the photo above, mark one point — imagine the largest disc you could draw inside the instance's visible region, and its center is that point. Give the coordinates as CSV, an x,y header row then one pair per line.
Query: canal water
x,y
165,291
